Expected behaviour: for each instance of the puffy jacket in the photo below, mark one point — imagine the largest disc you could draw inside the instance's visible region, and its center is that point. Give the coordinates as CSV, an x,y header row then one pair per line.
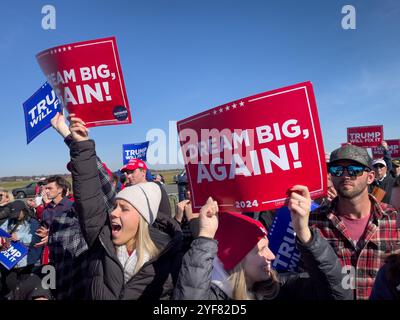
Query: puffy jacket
x,y
323,280
156,278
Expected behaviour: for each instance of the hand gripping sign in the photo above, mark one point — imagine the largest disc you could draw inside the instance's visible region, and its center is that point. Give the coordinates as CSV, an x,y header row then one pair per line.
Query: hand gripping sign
x,y
246,154
394,149
39,109
134,151
282,241
13,254
87,78
367,136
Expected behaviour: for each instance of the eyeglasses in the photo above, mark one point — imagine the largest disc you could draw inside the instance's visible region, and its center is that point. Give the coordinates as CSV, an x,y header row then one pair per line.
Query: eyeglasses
x,y
380,166
353,171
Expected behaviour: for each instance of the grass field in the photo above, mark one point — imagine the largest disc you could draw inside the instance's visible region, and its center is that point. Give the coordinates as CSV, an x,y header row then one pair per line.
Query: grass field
x,y
168,176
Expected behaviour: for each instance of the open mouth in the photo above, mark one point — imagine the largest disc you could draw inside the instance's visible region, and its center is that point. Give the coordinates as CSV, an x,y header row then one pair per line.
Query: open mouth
x,y
115,228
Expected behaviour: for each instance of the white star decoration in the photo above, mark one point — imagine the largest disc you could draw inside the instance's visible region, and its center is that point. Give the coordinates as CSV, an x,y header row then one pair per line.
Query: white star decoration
x,y
228,107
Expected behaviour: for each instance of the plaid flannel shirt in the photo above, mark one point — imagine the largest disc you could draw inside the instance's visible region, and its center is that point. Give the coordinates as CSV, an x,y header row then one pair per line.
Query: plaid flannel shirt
x,y
68,247
381,238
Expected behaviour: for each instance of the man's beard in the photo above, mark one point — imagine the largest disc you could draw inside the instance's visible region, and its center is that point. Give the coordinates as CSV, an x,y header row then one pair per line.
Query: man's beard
x,y
351,194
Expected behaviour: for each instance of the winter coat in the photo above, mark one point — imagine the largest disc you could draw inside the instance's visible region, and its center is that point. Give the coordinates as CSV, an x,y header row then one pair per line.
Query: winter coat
x,y
156,278
323,281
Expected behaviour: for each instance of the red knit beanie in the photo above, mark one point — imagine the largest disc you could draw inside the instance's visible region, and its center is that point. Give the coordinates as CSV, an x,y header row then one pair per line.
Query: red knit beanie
x,y
237,235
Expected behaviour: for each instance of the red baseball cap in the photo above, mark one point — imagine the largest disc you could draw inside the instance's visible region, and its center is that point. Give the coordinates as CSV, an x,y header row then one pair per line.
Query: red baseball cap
x,y
134,164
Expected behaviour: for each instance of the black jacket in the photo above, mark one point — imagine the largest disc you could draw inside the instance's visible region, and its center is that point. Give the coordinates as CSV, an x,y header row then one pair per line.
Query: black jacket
x,y
323,281
4,213
386,184
156,278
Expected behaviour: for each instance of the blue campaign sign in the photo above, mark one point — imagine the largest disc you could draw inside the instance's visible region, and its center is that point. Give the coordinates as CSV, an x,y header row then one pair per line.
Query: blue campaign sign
x,y
134,151
14,254
282,241
39,109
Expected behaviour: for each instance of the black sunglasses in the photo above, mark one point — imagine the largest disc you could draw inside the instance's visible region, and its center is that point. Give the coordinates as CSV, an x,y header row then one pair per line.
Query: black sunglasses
x,y
379,166
353,171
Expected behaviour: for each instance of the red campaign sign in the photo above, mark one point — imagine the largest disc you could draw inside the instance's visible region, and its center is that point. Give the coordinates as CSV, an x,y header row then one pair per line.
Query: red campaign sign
x,y
247,153
394,149
368,136
87,78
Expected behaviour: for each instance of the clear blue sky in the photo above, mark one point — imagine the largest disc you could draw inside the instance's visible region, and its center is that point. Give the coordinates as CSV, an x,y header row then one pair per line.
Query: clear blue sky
x,y
182,57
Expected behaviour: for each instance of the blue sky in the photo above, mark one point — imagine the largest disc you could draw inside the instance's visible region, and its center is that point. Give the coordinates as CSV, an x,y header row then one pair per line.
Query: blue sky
x,y
183,57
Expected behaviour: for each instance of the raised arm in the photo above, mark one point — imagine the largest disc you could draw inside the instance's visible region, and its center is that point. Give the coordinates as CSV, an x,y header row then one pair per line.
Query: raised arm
x,y
89,202
194,282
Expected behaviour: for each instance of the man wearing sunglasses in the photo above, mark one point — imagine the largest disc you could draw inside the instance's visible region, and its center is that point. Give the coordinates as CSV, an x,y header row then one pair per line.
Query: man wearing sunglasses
x,y
361,230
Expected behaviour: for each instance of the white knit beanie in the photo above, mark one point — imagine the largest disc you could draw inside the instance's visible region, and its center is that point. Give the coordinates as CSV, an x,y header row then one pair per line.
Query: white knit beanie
x,y
145,197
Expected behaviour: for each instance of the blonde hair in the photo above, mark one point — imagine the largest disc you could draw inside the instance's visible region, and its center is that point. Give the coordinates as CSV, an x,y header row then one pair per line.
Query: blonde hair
x,y
265,290
144,244
8,195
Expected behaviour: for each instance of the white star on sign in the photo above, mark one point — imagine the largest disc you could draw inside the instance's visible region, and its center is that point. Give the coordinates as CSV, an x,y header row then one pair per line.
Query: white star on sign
x,y
64,49
215,112
220,110
241,103
69,48
234,106
227,108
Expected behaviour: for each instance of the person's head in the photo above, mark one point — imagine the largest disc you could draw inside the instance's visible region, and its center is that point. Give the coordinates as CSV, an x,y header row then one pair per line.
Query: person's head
x,y
243,251
135,171
351,171
395,197
56,188
6,197
396,167
380,168
115,180
135,210
19,211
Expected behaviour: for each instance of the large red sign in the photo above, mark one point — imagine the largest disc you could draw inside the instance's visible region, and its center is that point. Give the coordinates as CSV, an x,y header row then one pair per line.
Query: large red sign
x,y
247,153
87,78
368,136
394,149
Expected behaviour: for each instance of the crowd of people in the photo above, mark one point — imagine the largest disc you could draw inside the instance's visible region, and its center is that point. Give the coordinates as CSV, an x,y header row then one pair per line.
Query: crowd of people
x,y
108,240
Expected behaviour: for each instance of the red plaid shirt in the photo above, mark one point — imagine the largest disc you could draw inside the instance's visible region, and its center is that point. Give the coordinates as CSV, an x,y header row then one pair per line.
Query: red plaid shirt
x,y
381,238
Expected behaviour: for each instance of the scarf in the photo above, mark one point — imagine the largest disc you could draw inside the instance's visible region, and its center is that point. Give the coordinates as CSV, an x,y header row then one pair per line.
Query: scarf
x,y
129,262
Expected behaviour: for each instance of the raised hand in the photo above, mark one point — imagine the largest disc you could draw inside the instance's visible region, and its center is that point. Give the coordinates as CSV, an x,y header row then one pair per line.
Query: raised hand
x,y
180,209
59,124
299,206
208,219
78,128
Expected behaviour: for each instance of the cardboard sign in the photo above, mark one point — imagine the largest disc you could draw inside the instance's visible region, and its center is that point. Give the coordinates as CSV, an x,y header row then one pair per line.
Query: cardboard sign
x,y
368,136
134,151
247,153
282,241
39,109
87,78
14,254
394,149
